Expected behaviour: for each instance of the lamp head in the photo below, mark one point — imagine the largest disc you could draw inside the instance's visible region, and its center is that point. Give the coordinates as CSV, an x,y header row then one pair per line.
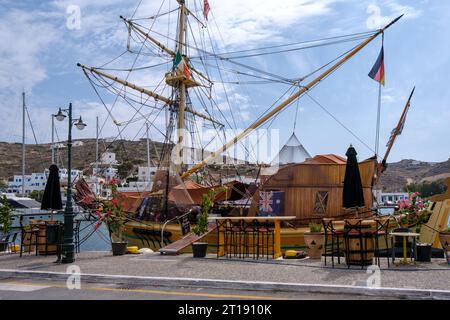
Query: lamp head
x,y
80,124
60,116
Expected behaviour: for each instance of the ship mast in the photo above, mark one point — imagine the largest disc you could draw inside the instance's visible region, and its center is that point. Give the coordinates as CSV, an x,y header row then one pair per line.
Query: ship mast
x,y
181,87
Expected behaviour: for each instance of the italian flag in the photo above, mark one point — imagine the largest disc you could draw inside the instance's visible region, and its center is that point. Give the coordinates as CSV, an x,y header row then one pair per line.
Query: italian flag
x,y
180,64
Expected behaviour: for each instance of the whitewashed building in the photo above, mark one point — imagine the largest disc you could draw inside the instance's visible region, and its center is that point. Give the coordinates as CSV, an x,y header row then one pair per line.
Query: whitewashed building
x,y
390,198
106,172
108,158
37,180
146,173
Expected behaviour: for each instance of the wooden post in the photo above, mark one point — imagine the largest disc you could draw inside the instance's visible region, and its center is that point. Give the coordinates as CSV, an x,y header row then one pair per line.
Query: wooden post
x,y
221,239
277,240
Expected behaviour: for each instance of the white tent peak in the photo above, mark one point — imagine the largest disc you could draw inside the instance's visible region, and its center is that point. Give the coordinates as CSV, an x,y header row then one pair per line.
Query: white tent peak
x,y
292,152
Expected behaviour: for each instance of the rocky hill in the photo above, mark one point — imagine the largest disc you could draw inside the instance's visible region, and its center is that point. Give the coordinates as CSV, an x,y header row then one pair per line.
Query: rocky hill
x,y
38,157
398,174
131,154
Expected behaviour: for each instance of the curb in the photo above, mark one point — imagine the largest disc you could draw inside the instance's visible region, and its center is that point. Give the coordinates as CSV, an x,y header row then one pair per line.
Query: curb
x,y
385,292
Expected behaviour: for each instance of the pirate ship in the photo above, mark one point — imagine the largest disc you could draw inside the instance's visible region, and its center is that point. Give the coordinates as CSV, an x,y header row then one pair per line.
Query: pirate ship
x,y
310,189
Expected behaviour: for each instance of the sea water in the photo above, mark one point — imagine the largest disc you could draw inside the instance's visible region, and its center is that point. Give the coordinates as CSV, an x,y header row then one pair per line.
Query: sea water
x,y
91,240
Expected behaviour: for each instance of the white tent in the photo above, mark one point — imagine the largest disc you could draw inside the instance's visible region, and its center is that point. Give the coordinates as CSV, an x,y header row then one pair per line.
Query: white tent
x,y
292,152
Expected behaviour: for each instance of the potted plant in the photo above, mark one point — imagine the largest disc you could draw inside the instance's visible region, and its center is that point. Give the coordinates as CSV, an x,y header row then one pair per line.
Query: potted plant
x,y
199,248
114,216
5,220
314,240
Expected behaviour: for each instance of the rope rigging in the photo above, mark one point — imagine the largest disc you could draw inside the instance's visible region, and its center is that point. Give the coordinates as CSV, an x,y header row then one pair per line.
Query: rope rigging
x,y
219,58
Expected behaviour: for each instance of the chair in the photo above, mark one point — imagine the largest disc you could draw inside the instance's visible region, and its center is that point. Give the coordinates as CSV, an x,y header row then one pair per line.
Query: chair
x,y
76,232
330,230
381,231
353,233
29,236
397,242
8,240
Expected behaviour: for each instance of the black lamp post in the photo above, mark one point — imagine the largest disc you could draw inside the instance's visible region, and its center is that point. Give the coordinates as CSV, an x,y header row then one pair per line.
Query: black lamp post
x,y
68,247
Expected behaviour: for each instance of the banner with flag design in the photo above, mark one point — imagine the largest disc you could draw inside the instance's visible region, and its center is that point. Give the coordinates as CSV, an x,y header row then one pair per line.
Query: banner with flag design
x,y
180,64
270,203
377,72
206,8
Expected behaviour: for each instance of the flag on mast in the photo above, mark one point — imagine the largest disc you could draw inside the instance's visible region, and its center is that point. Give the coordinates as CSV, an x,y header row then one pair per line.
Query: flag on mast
x,y
401,124
206,8
180,64
377,72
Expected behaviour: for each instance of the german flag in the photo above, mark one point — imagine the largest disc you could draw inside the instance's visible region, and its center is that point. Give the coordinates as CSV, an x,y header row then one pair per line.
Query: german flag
x,y
377,72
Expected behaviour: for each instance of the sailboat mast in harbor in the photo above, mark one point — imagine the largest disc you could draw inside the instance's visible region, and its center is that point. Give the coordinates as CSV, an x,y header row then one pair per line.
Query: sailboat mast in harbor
x,y
23,143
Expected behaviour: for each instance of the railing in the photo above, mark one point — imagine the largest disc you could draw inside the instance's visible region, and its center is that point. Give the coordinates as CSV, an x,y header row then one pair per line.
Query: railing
x,y
173,219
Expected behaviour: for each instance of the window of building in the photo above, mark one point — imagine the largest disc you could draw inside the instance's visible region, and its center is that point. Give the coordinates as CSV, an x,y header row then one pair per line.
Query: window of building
x,y
320,205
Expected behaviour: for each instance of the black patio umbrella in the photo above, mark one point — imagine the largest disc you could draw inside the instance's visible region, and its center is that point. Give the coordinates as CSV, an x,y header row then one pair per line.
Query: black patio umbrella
x,y
352,195
51,200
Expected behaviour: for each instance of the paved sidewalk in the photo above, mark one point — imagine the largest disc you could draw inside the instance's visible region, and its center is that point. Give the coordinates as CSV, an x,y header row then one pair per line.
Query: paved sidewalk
x,y
430,276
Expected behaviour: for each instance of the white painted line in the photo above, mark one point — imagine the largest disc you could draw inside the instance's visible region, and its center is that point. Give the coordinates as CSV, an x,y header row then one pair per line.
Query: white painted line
x,y
21,287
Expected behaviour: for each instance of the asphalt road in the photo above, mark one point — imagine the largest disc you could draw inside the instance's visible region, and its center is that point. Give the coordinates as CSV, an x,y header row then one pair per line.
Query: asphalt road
x,y
23,289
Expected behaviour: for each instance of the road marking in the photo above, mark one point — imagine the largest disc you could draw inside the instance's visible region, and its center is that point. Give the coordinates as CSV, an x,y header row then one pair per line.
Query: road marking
x,y
161,292
21,287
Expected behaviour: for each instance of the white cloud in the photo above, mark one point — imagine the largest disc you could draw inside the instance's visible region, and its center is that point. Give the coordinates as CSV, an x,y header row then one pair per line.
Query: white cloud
x,y
252,21
24,39
378,17
26,36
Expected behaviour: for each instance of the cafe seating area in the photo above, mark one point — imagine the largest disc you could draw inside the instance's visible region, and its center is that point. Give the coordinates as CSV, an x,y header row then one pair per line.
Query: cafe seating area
x,y
365,242
246,239
249,237
350,242
42,237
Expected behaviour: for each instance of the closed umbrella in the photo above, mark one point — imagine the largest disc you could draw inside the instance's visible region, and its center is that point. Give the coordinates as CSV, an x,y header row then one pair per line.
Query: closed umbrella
x,y
352,195
51,200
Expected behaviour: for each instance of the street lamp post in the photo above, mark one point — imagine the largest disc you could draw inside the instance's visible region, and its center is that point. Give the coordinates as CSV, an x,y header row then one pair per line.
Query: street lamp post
x,y
68,246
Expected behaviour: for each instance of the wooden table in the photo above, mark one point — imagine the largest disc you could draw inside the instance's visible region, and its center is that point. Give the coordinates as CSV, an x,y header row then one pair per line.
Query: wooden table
x,y
405,236
277,230
340,224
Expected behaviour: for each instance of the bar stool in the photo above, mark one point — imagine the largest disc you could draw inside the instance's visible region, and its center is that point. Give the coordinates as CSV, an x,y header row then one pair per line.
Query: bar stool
x,y
266,231
330,230
250,238
381,231
233,237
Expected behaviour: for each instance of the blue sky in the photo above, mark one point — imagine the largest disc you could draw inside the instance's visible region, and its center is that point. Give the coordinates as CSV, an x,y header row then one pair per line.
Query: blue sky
x,y
39,54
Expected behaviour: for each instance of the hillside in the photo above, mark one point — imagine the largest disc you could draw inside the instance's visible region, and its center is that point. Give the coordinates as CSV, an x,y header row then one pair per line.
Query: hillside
x,y
398,174
38,157
131,154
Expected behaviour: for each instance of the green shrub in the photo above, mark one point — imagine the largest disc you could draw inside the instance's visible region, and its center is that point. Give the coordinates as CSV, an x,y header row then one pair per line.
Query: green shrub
x,y
315,227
